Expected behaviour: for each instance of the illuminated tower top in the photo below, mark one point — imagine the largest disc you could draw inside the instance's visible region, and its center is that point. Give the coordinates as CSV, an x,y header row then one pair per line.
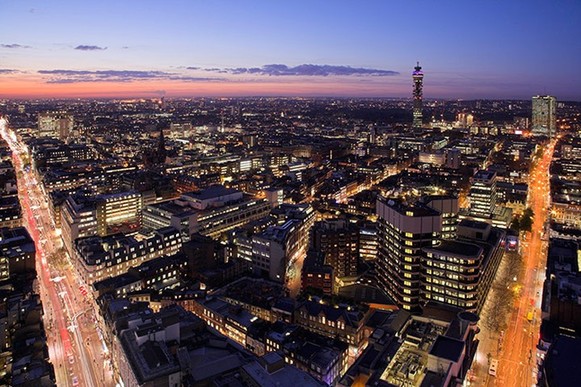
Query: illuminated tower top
x,y
418,77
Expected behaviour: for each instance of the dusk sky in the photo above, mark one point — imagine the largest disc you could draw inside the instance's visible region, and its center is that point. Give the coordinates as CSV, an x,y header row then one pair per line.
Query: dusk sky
x,y
468,49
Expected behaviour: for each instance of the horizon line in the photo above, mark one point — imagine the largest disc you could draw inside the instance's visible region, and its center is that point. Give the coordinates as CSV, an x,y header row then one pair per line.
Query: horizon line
x,y
112,98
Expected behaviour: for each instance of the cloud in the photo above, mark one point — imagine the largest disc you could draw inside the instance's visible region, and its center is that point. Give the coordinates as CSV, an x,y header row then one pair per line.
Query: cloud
x,y
86,76
310,70
84,47
8,71
13,45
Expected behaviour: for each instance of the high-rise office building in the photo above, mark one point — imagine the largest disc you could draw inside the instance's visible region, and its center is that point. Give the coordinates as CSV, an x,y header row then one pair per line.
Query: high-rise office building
x,y
544,122
372,134
448,207
483,194
426,256
459,272
403,231
418,77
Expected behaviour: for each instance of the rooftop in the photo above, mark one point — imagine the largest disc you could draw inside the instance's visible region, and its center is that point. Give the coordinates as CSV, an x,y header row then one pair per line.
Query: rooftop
x,y
447,348
457,248
484,175
211,192
408,210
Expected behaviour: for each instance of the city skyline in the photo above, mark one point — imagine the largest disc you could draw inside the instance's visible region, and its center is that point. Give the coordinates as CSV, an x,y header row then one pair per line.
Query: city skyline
x,y
252,48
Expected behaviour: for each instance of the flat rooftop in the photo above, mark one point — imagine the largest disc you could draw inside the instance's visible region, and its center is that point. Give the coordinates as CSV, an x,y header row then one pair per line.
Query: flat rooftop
x,y
458,248
484,175
211,192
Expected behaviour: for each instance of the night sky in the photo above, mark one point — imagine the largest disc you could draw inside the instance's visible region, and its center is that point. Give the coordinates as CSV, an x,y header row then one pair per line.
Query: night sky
x,y
468,49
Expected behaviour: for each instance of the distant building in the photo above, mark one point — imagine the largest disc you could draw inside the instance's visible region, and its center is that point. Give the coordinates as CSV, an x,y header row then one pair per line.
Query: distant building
x,y
418,77
156,156
55,124
453,160
465,120
435,158
544,120
372,134
275,196
210,212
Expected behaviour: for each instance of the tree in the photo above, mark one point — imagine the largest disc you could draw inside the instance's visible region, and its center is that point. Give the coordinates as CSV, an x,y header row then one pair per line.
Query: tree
x,y
515,224
526,221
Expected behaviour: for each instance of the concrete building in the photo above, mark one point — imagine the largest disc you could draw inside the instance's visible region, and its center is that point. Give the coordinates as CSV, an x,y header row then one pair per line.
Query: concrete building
x,y
544,117
10,211
17,252
214,196
403,231
316,275
118,212
83,215
97,258
277,248
460,272
449,208
335,321
210,212
338,240
483,194
432,349
368,241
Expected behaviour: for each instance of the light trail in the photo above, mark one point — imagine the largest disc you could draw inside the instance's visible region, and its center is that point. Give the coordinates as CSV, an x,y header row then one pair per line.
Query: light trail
x,y
75,362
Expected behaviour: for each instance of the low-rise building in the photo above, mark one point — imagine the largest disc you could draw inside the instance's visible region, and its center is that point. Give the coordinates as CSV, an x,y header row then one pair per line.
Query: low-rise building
x,y
435,348
97,258
336,321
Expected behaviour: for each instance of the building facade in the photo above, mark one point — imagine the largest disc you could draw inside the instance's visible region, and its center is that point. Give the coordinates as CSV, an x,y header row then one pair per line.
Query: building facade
x,y
483,194
338,240
97,258
544,119
403,231
55,124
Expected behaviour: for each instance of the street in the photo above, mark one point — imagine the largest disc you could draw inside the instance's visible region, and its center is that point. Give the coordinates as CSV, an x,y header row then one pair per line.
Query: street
x,y
75,348
515,349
